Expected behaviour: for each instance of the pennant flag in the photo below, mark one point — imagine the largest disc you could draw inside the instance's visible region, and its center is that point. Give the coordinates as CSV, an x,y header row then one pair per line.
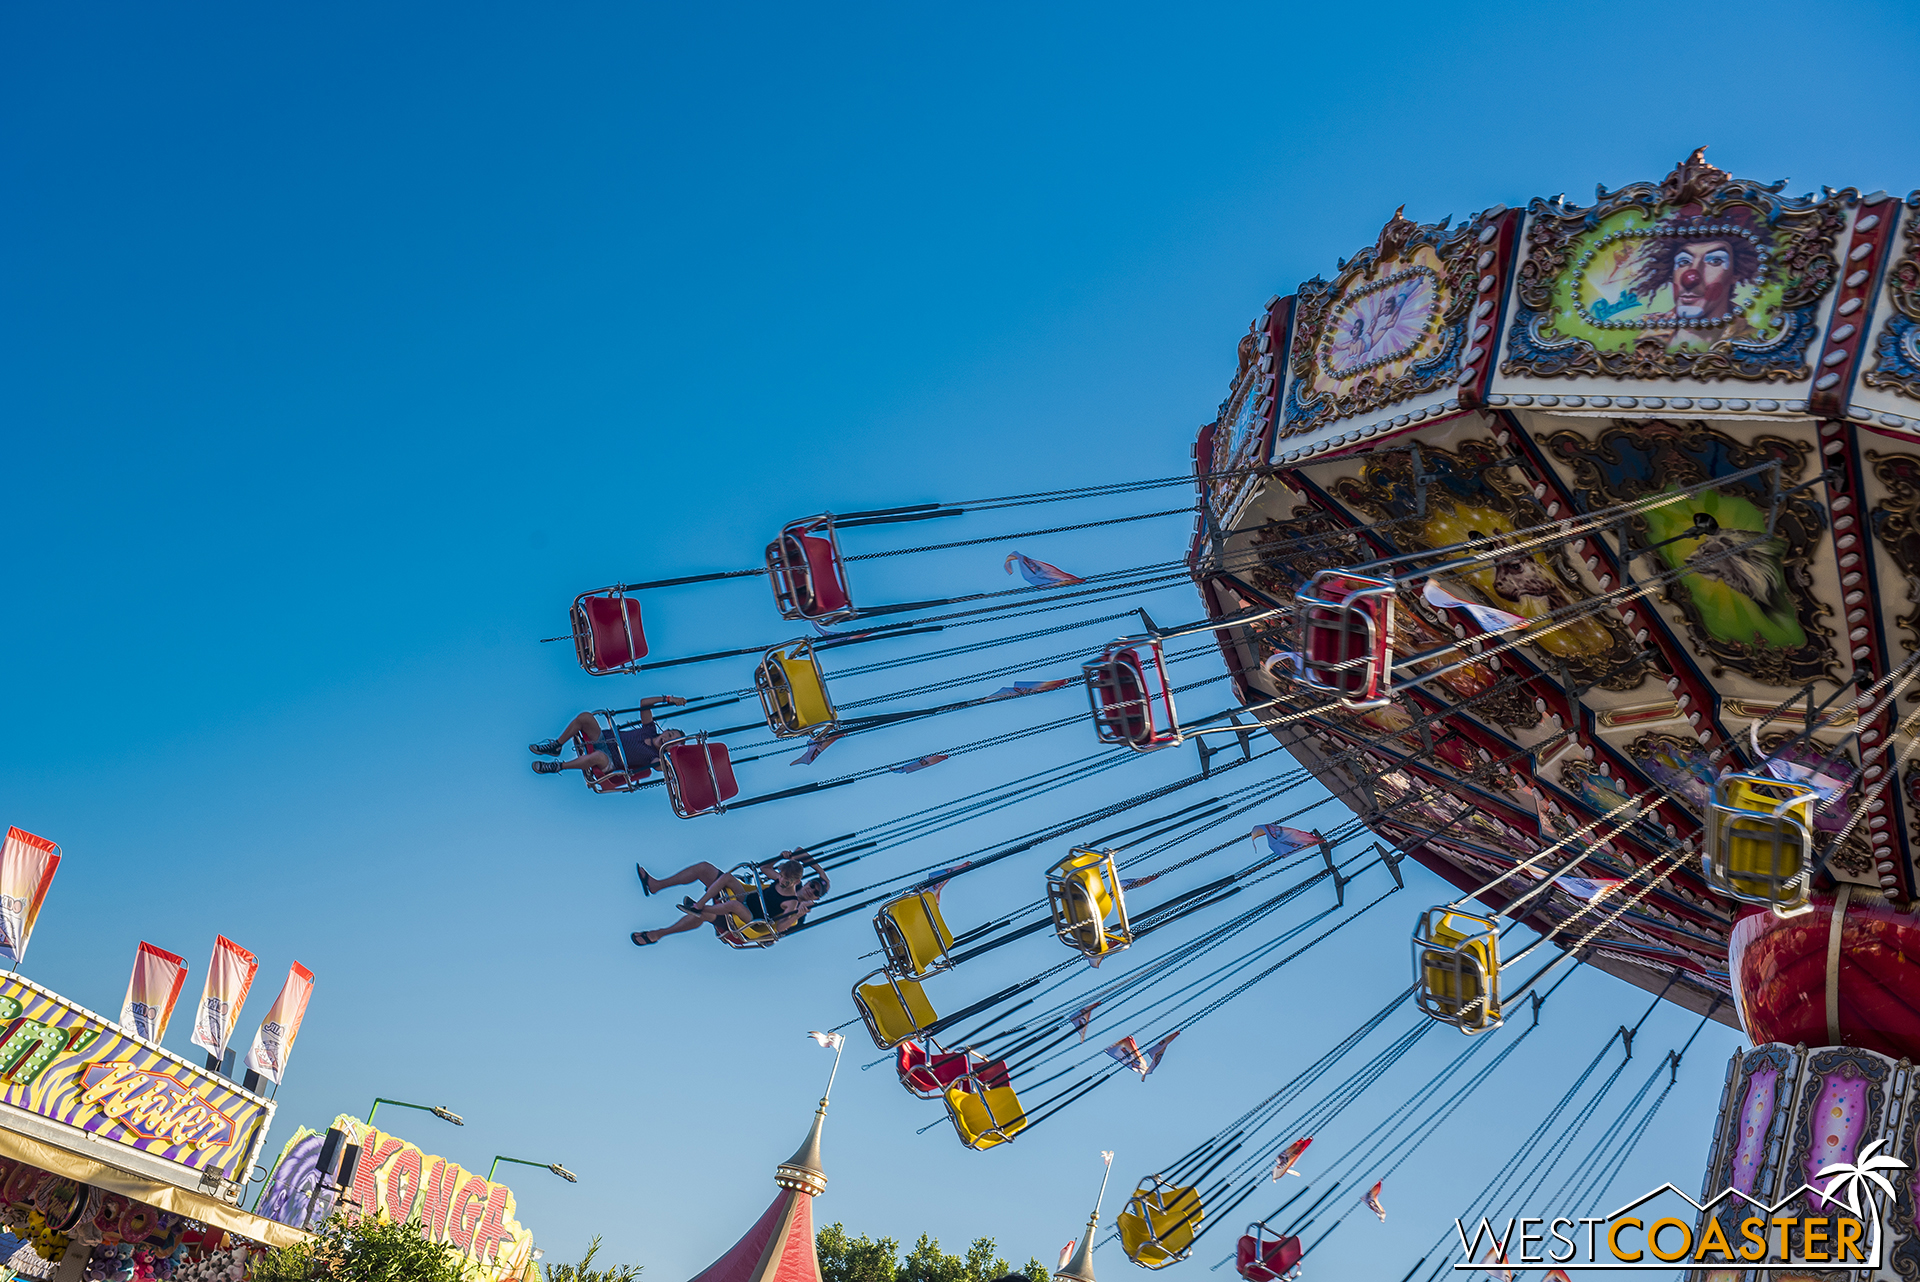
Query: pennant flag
x,y
1066,1253
273,1041
932,760
1588,887
1284,841
1155,1051
1127,1051
1372,1200
815,746
936,882
1083,1017
1019,688
1556,1275
27,865
1495,1265
1040,574
829,1041
1134,883
1486,616
1283,1165
1106,1155
229,977
152,991
1798,772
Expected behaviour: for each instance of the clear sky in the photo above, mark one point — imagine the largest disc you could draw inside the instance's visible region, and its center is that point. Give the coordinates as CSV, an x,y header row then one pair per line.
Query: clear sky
x,y
341,345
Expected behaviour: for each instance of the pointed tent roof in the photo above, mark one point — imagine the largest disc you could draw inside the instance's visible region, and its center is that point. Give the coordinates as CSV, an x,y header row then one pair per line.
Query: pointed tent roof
x,y
779,1247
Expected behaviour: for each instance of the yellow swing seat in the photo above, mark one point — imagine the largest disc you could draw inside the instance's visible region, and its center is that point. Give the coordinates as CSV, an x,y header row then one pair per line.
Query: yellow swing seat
x,y
1760,841
984,1108
913,935
892,1008
793,691
1158,1226
1084,892
1457,960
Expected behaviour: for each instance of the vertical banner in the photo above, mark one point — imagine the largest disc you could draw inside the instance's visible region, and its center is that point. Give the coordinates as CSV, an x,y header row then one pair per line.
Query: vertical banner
x,y
273,1043
27,865
152,992
229,976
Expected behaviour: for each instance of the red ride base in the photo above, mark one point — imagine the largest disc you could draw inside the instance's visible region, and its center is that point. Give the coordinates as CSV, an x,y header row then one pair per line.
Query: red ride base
x,y
1779,970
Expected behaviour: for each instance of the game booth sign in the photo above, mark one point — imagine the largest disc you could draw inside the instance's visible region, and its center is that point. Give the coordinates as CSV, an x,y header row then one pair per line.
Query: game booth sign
x,y
394,1180
120,1161
115,1145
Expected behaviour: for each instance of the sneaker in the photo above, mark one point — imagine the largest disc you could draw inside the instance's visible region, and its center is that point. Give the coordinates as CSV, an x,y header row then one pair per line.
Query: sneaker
x,y
546,748
546,767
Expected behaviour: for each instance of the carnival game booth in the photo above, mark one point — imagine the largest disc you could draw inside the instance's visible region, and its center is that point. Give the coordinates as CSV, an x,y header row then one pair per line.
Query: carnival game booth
x,y
118,1159
1594,533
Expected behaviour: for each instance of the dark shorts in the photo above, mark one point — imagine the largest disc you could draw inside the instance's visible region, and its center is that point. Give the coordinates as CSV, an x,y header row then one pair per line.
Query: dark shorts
x,y
638,748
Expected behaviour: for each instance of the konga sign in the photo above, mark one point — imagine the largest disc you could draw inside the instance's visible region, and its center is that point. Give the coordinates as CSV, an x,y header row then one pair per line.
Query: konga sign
x,y
397,1182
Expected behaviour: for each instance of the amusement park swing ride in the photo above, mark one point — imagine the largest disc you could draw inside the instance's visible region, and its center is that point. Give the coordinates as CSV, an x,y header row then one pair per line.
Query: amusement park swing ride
x,y
1576,550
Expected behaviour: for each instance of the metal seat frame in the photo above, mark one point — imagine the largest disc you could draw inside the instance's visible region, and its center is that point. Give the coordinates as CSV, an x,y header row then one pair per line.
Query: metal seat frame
x,y
1065,894
757,931
932,1050
671,773
776,692
1156,1188
583,647
1783,884
1363,609
1261,1233
873,1024
1100,676
1474,1004
971,1084
784,566
633,781
893,943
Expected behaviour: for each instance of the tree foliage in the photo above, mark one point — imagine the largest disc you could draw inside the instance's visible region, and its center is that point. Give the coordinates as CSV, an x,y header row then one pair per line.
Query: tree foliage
x,y
865,1259
585,1272
368,1250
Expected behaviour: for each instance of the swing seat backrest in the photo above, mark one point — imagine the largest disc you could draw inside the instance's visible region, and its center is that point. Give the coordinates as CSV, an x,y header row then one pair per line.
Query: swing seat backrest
x,y
913,935
808,577
1346,635
929,1075
1083,890
699,776
1126,715
793,691
984,1108
893,1009
1459,968
1266,1261
1760,839
607,636
1158,1225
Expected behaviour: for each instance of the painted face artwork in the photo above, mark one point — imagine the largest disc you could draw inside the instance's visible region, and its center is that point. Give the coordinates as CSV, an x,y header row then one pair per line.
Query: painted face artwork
x,y
1703,279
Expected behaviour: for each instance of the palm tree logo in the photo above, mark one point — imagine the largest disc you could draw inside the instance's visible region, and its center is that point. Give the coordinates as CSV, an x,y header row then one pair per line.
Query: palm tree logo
x,y
1865,1171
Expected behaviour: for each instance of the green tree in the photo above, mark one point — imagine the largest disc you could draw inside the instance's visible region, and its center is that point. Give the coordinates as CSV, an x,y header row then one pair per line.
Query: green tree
x,y
585,1272
367,1251
865,1259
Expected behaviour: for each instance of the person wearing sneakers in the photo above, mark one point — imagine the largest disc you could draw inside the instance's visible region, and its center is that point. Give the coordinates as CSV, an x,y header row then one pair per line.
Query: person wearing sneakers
x,y
597,748
728,900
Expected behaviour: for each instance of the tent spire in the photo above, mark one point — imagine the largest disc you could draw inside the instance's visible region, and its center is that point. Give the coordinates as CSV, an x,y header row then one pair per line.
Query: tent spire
x,y
1080,1267
802,1172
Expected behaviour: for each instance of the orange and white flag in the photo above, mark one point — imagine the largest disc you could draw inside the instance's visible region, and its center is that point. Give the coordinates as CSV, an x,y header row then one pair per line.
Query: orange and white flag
x,y
27,865
273,1040
229,977
152,992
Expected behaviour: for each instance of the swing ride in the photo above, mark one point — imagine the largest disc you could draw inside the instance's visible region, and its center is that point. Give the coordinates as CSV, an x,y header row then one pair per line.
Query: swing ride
x,y
1574,551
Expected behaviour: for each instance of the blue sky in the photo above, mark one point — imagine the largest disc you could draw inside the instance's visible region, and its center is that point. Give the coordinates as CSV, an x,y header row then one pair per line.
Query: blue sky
x,y
339,348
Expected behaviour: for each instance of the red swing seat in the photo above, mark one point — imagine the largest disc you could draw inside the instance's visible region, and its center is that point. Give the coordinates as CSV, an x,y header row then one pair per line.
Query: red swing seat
x,y
927,1073
809,576
607,636
1261,1259
1132,702
1346,637
699,776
